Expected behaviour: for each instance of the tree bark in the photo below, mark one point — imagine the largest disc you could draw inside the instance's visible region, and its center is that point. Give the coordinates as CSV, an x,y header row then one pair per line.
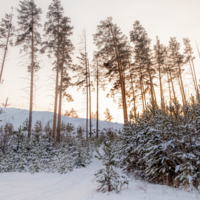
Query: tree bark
x,y
170,97
86,66
142,91
173,87
194,76
133,91
161,91
181,86
122,82
31,86
56,88
97,122
90,110
5,52
60,96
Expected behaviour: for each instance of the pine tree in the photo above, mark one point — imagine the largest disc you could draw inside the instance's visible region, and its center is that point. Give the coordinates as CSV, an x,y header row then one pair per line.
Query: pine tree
x,y
6,34
82,153
97,112
159,52
82,73
52,30
25,125
111,44
90,99
66,49
109,178
176,62
127,148
98,74
138,67
73,113
143,60
8,128
94,115
38,127
131,78
108,116
189,59
63,159
29,37
48,128
70,127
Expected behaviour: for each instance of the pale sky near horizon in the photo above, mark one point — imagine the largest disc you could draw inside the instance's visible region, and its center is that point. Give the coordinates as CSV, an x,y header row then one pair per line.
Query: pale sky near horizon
x,y
162,18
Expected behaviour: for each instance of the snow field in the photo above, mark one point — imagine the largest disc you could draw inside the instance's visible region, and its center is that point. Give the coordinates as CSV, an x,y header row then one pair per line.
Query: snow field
x,y
17,116
80,184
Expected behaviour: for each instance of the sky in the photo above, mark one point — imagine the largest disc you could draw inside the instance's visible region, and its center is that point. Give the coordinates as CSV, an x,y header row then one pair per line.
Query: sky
x,y
162,18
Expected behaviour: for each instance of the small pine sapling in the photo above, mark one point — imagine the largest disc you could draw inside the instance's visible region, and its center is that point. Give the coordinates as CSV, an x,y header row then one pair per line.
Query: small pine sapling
x,y
109,178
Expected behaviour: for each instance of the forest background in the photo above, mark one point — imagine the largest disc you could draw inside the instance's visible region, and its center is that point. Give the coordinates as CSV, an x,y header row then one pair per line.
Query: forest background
x,y
162,18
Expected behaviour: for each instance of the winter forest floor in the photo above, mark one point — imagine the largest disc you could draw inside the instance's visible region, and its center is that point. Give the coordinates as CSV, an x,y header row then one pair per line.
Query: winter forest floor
x,y
80,185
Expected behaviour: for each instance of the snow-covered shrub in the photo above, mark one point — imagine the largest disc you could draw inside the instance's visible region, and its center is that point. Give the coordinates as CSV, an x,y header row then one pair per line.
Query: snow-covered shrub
x,y
38,127
82,152
109,178
8,128
47,128
164,146
40,152
70,128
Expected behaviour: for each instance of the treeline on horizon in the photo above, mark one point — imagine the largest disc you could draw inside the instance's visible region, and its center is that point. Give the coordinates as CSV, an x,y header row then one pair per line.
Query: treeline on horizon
x,y
128,64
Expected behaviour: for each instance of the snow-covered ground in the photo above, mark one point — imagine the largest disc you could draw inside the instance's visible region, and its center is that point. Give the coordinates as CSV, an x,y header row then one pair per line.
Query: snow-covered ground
x,y
80,185
18,116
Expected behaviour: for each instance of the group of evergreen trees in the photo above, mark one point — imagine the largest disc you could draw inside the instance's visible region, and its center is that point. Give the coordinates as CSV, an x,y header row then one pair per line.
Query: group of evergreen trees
x,y
130,66
56,43
161,139
19,153
163,146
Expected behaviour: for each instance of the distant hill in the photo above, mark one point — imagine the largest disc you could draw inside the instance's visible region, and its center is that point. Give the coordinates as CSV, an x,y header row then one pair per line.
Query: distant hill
x,y
18,116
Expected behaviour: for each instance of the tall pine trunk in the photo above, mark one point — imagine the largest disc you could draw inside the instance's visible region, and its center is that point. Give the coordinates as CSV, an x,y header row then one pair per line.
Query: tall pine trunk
x,y
151,88
181,86
170,96
161,91
153,98
97,121
174,94
5,52
60,95
122,81
192,68
198,49
56,88
133,90
142,91
31,86
90,109
86,66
